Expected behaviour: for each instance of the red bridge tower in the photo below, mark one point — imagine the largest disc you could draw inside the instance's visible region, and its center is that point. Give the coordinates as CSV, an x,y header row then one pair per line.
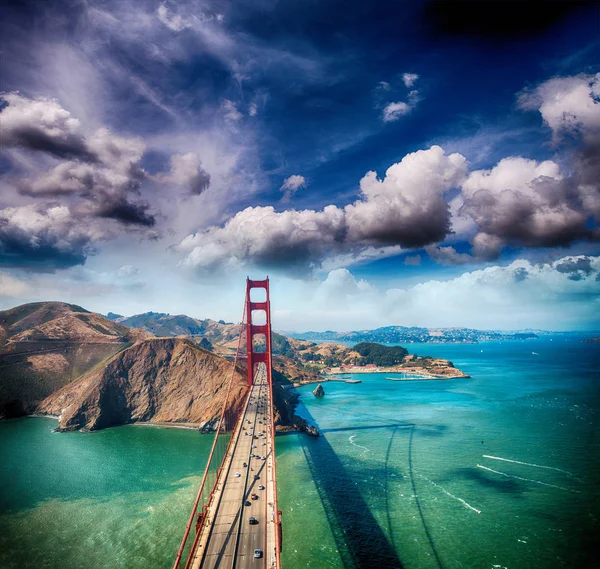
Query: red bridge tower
x,y
254,331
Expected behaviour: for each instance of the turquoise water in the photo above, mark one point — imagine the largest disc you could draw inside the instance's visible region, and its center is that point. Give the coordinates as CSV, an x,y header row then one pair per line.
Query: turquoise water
x,y
395,480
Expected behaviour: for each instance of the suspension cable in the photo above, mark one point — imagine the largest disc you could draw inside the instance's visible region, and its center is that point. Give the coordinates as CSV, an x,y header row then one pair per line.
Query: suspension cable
x,y
214,445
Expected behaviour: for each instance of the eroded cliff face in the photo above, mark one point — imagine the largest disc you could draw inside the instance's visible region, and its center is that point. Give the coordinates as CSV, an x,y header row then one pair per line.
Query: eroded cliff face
x,y
160,380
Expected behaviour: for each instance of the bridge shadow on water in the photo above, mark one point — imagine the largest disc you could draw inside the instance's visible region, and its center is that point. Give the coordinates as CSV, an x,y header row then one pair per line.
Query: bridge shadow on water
x,y
361,541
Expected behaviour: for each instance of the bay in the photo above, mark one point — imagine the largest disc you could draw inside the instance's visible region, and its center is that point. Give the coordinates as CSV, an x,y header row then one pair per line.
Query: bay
x,y
501,470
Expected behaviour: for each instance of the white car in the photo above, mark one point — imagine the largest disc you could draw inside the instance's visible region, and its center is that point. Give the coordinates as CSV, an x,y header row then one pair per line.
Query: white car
x,y
257,553
237,474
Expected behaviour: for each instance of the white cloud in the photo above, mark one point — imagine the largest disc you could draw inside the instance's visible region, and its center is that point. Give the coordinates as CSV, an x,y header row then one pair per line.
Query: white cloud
x,y
291,185
46,237
409,79
187,170
174,22
42,125
557,295
252,109
230,111
448,255
405,209
13,287
524,202
567,104
393,111
408,206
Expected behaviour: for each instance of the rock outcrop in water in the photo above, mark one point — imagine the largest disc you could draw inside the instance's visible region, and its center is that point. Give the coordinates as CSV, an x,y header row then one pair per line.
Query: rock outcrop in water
x,y
318,391
160,380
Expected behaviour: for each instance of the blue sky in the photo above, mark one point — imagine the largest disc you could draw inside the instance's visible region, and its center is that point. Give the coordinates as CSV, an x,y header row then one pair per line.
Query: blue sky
x,y
429,163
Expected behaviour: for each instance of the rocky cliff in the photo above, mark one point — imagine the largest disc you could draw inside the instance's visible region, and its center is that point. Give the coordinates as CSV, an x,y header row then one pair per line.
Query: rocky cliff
x,y
161,380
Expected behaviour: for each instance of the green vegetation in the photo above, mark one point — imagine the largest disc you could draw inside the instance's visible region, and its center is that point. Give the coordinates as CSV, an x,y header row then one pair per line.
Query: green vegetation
x,y
280,346
372,353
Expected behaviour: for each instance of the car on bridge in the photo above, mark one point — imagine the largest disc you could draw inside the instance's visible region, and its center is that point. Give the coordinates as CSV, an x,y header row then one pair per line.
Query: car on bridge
x,y
252,520
257,553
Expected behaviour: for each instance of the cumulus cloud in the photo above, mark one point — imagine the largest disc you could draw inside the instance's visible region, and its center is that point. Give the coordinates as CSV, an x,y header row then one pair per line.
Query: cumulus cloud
x,y
448,255
104,187
187,170
524,202
409,79
576,268
45,237
42,125
568,105
393,111
96,177
265,237
515,296
406,208
519,295
291,185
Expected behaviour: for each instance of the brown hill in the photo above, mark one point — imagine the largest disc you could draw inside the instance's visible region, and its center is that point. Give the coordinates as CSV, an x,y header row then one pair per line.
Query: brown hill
x,y
46,345
158,380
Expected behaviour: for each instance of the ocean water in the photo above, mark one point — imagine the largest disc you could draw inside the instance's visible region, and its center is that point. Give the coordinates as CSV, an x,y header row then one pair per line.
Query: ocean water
x,y
498,471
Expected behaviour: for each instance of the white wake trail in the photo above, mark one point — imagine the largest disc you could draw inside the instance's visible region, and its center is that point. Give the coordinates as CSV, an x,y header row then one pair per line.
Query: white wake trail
x,y
530,464
528,479
463,502
351,439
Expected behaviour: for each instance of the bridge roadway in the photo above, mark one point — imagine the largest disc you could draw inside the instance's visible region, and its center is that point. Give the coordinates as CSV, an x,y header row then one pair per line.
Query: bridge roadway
x,y
229,540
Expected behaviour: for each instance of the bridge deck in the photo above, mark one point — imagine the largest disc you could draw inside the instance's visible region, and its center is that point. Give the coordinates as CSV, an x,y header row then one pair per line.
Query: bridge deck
x,y
228,539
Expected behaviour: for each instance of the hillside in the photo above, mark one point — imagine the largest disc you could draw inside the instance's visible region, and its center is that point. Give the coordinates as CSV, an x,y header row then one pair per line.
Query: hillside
x,y
157,380
171,325
46,345
93,372
410,335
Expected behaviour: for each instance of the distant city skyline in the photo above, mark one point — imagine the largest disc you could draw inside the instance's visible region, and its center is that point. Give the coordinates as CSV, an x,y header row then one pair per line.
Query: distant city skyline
x,y
418,163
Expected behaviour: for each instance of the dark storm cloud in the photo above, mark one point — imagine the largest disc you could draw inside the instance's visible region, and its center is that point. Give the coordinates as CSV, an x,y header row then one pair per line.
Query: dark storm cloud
x,y
125,212
42,125
200,182
44,238
31,138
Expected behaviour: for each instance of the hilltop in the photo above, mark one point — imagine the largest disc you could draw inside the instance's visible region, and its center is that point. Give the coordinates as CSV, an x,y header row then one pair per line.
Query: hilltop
x,y
412,334
46,345
95,372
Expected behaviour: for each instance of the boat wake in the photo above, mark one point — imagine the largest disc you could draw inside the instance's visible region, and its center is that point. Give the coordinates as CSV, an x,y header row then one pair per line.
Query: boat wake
x,y
351,439
463,502
531,464
528,479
